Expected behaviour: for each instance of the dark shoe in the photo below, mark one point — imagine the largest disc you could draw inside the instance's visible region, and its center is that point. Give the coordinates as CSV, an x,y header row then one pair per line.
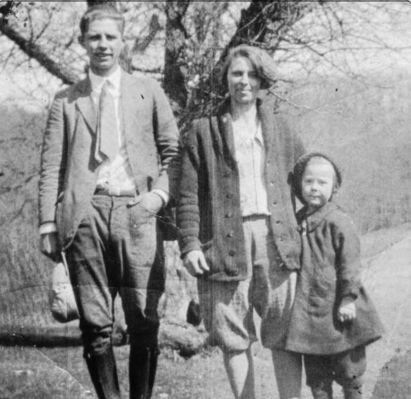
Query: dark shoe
x,y
142,371
322,391
103,373
193,313
352,392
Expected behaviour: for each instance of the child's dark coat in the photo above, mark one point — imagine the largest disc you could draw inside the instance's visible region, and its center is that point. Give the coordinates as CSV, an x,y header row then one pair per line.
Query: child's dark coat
x,y
330,270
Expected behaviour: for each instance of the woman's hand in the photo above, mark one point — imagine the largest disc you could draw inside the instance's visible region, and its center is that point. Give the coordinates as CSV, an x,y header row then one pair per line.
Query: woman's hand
x,y
347,310
195,263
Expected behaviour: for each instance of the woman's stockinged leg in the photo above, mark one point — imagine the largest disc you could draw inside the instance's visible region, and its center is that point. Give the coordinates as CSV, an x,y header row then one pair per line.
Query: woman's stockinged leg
x,y
288,370
240,370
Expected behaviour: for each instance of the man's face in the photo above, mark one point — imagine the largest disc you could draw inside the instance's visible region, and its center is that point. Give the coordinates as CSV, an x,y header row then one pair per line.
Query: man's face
x,y
103,42
317,183
243,82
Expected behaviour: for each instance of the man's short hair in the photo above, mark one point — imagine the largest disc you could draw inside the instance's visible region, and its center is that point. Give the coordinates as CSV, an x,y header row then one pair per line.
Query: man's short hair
x,y
261,61
101,11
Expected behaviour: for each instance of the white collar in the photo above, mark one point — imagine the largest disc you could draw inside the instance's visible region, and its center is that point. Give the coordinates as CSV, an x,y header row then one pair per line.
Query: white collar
x,y
257,134
97,81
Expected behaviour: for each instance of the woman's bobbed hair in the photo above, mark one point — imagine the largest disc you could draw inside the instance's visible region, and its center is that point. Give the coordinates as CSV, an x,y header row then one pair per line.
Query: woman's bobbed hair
x,y
261,61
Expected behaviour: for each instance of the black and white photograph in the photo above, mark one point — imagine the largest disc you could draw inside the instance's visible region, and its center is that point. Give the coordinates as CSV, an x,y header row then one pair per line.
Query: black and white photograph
x,y
205,199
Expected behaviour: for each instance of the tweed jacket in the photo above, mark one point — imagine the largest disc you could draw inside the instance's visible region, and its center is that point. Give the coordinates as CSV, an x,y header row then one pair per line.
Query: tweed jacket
x,y
208,212
330,271
69,170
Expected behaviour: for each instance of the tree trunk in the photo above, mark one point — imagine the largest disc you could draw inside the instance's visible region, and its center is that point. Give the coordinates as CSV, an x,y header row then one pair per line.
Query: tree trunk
x,y
257,21
96,2
174,74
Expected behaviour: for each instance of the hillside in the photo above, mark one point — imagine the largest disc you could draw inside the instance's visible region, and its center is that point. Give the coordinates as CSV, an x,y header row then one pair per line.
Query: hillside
x,y
365,126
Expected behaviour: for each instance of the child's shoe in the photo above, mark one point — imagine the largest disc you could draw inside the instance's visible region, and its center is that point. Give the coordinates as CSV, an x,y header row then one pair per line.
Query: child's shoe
x,y
322,391
352,392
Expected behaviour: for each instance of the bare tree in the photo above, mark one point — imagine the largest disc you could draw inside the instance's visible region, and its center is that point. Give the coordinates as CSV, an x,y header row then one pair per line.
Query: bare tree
x,y
255,27
26,39
191,39
301,34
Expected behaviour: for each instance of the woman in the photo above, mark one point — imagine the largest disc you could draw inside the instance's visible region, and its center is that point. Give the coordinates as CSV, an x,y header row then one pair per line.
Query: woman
x,y
238,230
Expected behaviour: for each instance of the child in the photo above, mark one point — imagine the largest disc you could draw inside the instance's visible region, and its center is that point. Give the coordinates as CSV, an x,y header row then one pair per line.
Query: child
x,y
333,319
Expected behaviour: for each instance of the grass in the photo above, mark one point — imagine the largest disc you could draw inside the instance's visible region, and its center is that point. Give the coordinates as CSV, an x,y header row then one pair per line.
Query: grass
x,y
60,373
375,242
28,373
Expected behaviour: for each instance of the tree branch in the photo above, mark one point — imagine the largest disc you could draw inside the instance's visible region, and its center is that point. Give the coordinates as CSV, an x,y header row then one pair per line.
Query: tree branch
x,y
141,44
259,22
38,53
6,8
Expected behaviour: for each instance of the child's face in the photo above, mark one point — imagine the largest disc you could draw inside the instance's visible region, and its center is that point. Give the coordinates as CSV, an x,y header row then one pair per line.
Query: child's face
x,y
317,183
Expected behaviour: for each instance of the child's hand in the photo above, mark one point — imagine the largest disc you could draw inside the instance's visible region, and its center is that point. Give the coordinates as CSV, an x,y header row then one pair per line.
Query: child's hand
x,y
347,310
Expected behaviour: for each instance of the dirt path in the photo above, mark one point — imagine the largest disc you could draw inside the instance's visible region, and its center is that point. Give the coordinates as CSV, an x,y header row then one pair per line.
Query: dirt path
x,y
388,279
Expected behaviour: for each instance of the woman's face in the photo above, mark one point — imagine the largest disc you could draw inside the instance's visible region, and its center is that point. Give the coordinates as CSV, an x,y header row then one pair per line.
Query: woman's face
x,y
243,82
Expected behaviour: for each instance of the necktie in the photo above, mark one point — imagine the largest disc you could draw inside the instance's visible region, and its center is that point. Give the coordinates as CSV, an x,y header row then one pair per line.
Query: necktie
x,y
107,135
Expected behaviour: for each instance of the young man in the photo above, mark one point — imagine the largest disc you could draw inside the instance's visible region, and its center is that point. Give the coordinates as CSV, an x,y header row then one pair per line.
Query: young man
x,y
106,171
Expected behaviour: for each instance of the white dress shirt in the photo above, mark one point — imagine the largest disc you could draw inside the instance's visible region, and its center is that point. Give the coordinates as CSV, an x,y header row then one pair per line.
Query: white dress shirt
x,y
250,156
113,175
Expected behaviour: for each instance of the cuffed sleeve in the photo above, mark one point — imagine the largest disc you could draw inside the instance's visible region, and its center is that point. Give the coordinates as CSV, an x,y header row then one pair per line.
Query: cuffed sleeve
x,y
165,197
188,214
52,162
47,228
167,142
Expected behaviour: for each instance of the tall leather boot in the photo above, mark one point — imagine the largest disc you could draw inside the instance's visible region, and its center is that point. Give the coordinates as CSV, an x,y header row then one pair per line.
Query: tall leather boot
x,y
142,371
103,373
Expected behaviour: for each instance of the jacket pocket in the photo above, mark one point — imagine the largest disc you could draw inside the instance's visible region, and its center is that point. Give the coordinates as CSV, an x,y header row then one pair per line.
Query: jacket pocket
x,y
322,290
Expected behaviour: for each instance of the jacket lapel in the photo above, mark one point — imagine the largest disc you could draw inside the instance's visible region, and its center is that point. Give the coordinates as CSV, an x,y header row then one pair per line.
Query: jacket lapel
x,y
268,125
130,109
225,130
85,104
314,219
271,133
226,127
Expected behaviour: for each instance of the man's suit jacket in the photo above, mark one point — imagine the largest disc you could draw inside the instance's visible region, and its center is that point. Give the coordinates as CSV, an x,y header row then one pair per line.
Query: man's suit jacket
x,y
69,169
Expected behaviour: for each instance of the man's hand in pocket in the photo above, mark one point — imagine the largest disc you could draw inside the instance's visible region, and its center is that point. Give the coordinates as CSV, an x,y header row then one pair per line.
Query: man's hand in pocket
x,y
151,202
